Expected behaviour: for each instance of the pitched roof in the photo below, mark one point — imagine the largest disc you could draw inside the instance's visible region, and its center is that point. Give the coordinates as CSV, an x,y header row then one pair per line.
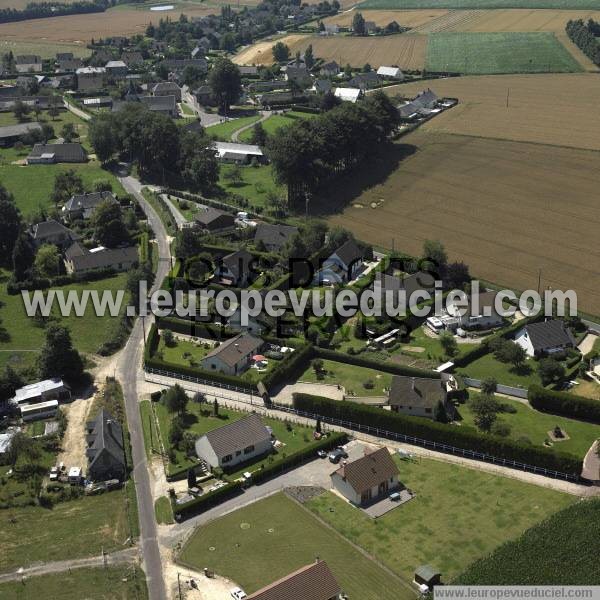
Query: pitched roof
x,y
233,148
348,252
210,214
389,71
370,470
83,259
49,228
312,582
106,435
425,97
165,86
28,59
247,431
238,262
235,348
410,283
421,392
34,390
89,201
484,300
348,94
274,235
72,152
549,334
160,102
19,129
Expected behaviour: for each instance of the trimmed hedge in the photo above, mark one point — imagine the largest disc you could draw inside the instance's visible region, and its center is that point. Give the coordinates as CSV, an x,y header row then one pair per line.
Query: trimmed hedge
x,y
290,368
206,501
196,328
459,437
564,404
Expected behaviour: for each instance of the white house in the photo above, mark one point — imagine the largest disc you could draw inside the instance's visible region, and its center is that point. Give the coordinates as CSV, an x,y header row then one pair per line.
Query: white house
x,y
390,73
235,268
238,153
480,313
342,266
348,94
547,337
365,480
235,443
42,391
233,356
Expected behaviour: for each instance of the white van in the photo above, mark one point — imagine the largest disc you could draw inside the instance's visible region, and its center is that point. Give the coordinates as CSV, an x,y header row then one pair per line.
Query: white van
x,y
435,324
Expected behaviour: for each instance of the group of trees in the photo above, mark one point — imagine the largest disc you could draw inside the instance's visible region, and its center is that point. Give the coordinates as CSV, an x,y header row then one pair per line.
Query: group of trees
x,y
40,10
307,154
156,144
486,408
359,26
586,37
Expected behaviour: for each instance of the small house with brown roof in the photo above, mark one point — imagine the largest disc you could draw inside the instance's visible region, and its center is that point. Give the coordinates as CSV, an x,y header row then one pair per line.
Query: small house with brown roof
x,y
214,220
233,356
417,396
367,479
312,582
238,442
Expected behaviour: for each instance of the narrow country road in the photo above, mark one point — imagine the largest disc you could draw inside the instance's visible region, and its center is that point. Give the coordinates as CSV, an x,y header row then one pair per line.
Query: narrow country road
x,y
128,365
128,556
263,117
77,111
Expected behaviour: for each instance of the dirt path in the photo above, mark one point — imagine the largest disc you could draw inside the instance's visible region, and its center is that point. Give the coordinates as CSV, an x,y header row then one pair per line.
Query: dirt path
x,y
587,343
235,134
73,444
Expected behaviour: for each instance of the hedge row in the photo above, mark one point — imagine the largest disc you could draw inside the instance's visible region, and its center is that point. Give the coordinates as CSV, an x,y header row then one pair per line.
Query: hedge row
x,y
459,437
196,328
564,404
290,367
206,501
200,199
42,283
331,441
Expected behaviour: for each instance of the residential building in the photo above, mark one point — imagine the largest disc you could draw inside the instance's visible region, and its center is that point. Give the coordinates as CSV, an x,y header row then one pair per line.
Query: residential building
x,y
78,259
105,448
167,88
69,65
545,338
204,95
321,86
348,94
166,105
52,232
214,220
90,78
341,266
231,152
42,391
417,396
480,313
28,63
49,154
390,73
312,582
13,133
82,206
299,74
427,98
274,237
330,29
198,52
365,81
330,69
235,269
232,356
177,65
248,71
411,286
367,479
253,325
132,58
116,68
64,56
239,442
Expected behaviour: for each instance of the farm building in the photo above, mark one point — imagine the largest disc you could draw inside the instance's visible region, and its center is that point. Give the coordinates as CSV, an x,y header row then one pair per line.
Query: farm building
x,y
105,448
232,356
231,152
348,94
367,479
40,400
13,133
28,63
232,444
312,582
390,73
547,337
78,259
427,575
417,396
49,154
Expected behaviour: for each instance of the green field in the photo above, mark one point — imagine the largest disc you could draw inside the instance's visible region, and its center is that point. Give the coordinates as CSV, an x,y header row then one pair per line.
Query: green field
x,y
534,425
473,4
488,366
288,537
223,131
274,122
563,550
496,53
457,516
112,583
254,186
45,48
175,353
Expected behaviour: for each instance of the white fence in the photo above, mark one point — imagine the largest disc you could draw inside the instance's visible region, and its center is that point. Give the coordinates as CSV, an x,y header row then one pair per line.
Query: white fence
x,y
501,389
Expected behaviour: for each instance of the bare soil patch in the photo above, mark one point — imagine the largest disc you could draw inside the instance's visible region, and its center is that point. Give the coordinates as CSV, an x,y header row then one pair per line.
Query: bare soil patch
x,y
507,209
73,443
260,53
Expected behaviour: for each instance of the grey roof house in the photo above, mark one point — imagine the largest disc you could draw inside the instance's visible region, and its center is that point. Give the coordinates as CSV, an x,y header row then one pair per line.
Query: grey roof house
x,y
78,259
28,63
417,396
232,356
545,338
105,448
167,88
13,133
47,154
274,237
214,220
342,265
234,268
365,81
52,232
82,206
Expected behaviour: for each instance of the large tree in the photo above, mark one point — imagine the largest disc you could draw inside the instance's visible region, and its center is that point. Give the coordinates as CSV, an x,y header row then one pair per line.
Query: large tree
x,y
103,137
225,82
58,357
10,225
109,228
23,256
66,184
281,52
198,162
47,261
176,399
358,24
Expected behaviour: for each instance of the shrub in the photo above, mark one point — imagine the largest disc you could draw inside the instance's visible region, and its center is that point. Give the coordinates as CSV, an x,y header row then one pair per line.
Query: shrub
x,y
564,404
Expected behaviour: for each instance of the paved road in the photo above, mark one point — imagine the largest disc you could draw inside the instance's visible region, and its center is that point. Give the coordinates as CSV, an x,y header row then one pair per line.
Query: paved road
x,y
116,558
129,362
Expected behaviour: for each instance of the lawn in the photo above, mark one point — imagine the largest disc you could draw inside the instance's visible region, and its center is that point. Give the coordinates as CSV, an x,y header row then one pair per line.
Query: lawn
x,y
163,511
288,537
112,583
72,529
224,131
25,337
274,122
351,377
183,352
457,515
32,185
200,420
496,53
488,366
533,425
256,182
149,428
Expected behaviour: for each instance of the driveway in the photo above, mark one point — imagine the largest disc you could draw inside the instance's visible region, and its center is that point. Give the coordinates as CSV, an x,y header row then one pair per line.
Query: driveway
x,y
587,343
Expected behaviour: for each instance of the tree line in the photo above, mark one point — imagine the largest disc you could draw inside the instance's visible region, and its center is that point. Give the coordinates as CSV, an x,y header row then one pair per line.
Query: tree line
x,y
308,154
41,10
585,36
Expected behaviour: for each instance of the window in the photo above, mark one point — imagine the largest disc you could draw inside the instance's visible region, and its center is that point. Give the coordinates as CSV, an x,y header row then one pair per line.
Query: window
x,y
238,452
248,449
428,410
227,458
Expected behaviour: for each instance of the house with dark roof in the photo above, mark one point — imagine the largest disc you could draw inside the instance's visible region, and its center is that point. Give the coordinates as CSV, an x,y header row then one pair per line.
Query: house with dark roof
x,y
132,58
330,69
82,206
321,86
341,266
105,448
365,81
78,259
116,68
367,479
69,65
167,88
11,134
177,65
235,443
232,356
234,269
274,237
311,582
49,154
165,105
248,71
417,396
545,338
388,285
28,63
480,313
214,220
90,78
52,232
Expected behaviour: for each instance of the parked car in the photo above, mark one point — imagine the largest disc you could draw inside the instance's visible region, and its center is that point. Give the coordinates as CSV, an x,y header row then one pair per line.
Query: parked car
x,y
53,473
336,455
321,453
238,594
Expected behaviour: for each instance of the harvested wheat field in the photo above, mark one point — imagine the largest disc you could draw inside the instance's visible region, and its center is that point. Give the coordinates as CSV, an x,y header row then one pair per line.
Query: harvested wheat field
x,y
506,208
406,18
558,109
260,53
